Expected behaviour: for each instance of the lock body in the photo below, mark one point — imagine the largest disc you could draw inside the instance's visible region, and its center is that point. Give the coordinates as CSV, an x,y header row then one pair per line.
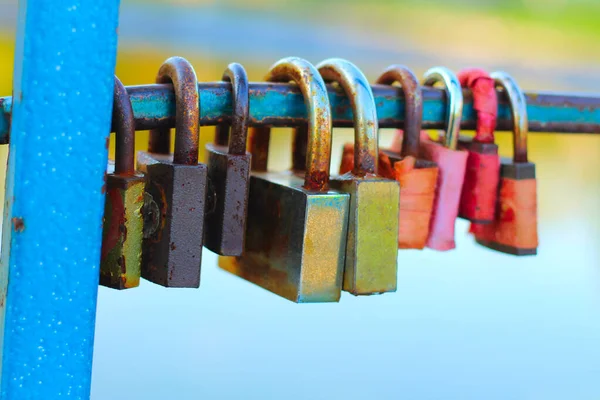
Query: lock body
x,y
172,245
514,229
225,224
295,239
418,182
121,254
480,188
371,249
452,165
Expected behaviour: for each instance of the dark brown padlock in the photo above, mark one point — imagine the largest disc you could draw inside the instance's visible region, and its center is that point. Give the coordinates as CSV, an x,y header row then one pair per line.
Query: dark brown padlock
x,y
175,188
514,228
229,174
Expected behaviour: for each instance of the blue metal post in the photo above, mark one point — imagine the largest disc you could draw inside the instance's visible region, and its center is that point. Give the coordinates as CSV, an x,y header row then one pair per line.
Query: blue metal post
x,y
63,87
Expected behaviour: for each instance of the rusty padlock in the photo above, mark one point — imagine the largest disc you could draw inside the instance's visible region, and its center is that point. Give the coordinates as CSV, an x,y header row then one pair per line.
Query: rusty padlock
x,y
296,228
372,248
175,188
480,189
451,163
417,177
121,254
229,173
514,229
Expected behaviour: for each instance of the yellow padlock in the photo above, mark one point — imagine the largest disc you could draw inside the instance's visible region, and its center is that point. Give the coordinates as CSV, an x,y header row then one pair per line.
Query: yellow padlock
x,y
296,228
371,251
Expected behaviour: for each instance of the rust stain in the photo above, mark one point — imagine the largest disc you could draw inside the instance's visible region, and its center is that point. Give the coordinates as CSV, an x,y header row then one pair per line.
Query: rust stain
x,y
317,180
121,263
18,224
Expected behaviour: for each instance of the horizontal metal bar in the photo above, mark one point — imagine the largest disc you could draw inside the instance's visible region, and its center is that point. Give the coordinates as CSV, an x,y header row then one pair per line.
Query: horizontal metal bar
x,y
279,104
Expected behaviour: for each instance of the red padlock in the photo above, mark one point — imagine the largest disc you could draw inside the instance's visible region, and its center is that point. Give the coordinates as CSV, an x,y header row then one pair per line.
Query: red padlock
x,y
417,177
479,193
451,162
514,229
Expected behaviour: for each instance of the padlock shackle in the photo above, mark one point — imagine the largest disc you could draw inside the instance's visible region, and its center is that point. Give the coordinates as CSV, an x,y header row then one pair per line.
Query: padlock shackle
x,y
187,112
124,124
366,125
485,101
454,101
518,107
313,88
240,95
413,108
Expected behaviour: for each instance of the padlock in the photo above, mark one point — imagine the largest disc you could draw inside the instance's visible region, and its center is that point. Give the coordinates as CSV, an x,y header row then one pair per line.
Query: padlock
x,y
372,248
480,189
296,228
121,254
175,188
417,177
451,163
514,229
229,174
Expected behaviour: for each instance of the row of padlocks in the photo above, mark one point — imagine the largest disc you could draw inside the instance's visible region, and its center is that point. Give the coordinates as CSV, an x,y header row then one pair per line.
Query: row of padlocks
x,y
307,234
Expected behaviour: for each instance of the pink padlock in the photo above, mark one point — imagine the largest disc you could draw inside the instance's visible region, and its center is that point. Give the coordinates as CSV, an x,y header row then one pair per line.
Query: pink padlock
x,y
451,162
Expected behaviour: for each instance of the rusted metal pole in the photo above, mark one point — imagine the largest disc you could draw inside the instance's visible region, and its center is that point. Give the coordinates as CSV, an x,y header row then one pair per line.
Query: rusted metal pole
x,y
279,104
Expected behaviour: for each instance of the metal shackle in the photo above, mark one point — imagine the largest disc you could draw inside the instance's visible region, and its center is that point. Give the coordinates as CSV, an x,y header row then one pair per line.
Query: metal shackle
x,y
413,105
124,124
454,101
518,107
366,126
236,74
180,72
316,99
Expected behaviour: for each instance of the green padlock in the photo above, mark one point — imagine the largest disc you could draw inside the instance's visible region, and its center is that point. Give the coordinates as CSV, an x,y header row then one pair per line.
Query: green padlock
x,y
296,228
372,249
121,253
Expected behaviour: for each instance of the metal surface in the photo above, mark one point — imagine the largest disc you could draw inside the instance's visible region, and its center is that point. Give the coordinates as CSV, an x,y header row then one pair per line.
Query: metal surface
x,y
280,104
121,254
124,124
177,184
417,183
366,131
55,196
296,228
236,74
514,220
181,73
514,229
316,102
454,105
229,174
295,239
413,106
451,163
371,250
518,106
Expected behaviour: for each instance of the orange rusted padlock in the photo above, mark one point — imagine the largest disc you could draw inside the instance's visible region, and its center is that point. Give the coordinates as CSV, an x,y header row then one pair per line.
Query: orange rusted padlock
x,y
417,177
514,229
451,162
479,193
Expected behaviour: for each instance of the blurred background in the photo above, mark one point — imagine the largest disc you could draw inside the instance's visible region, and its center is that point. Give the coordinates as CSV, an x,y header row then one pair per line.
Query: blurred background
x,y
467,324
